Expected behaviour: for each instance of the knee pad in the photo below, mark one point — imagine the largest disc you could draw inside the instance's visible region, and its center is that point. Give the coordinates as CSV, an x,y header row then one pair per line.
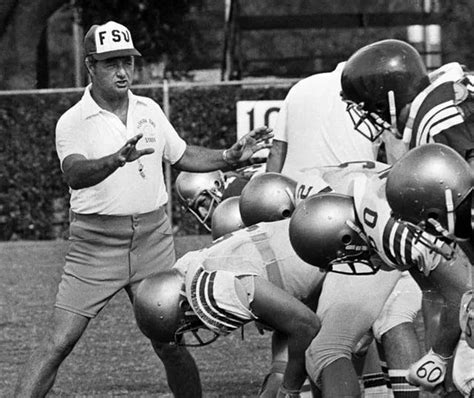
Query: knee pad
x,y
322,353
401,306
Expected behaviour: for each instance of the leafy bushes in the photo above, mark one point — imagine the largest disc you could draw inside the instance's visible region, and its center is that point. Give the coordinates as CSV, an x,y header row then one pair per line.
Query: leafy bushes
x,y
33,195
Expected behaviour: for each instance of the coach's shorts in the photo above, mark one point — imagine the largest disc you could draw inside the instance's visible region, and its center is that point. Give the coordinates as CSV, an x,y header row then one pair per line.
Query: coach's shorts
x,y
108,253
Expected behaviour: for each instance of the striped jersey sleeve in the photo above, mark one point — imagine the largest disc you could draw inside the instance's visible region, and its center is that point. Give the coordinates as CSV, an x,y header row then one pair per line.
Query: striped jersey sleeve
x,y
436,112
396,244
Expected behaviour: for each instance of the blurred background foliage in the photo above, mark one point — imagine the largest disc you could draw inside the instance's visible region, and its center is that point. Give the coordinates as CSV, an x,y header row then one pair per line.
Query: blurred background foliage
x,y
176,38
180,37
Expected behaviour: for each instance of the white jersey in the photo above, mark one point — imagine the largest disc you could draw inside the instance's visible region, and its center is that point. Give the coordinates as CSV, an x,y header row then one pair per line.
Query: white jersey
x,y
263,249
396,245
316,127
333,178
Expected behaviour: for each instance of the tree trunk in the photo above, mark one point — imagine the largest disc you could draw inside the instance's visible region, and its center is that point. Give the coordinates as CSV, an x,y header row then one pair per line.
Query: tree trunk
x,y
23,23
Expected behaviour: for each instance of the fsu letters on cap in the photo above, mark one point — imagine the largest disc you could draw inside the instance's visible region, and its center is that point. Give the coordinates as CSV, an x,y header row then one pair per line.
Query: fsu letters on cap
x,y
108,41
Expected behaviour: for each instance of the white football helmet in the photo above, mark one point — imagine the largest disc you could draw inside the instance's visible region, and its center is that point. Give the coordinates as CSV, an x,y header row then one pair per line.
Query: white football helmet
x,y
325,232
429,189
200,193
226,218
267,197
163,313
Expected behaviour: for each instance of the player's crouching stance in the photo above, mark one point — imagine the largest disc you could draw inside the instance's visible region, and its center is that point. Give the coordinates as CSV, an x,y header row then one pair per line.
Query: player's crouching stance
x,y
413,220
245,276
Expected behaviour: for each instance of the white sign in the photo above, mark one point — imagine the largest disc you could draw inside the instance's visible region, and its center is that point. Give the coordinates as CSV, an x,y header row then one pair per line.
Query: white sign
x,y
253,114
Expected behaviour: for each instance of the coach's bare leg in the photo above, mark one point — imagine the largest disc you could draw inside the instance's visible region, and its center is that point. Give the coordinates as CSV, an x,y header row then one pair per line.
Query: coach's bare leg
x,y
181,370
39,373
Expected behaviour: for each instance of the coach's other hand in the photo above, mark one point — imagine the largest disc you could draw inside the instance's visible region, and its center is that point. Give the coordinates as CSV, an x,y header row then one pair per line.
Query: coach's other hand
x,y
250,143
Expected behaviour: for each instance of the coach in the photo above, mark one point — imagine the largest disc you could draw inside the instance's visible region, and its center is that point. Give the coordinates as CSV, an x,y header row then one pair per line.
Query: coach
x,y
111,146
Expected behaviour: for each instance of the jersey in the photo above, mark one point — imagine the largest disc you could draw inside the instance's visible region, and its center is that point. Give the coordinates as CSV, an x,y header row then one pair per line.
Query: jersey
x,y
396,244
333,178
316,127
264,250
444,112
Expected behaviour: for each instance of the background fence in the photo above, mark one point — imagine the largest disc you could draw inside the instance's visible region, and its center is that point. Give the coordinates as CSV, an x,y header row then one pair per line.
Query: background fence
x,y
33,195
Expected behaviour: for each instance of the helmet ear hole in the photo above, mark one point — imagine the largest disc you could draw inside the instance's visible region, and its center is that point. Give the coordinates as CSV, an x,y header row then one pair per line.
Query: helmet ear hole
x,y
380,106
286,213
346,239
184,305
433,214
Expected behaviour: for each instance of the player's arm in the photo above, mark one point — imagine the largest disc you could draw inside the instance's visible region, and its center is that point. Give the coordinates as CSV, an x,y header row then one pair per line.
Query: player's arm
x,y
81,172
287,315
277,156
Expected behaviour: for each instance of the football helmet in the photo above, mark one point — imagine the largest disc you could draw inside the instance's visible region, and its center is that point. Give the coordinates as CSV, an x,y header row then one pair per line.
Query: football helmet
x,y
226,218
429,189
162,311
378,81
200,193
267,197
325,232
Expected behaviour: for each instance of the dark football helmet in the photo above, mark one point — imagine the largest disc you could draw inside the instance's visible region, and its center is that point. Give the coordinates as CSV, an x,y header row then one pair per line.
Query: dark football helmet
x,y
325,232
226,218
429,189
162,311
200,193
267,197
378,80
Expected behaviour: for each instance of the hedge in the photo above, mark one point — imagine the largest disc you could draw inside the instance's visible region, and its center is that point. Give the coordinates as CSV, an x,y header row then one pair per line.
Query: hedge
x,y
33,195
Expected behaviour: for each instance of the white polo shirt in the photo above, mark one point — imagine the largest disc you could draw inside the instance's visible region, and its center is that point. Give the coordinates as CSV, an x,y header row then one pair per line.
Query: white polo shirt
x,y
314,122
93,132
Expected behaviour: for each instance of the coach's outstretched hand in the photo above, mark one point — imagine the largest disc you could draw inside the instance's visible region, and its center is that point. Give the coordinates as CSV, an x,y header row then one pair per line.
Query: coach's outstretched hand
x,y
250,143
129,152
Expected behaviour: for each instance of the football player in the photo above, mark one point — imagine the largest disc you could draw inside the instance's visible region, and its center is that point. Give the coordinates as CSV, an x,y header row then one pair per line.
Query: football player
x,y
267,196
271,196
387,83
200,193
363,295
429,191
247,275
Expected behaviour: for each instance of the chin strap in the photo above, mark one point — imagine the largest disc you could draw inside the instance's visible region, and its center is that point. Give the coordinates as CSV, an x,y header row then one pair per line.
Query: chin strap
x,y
393,114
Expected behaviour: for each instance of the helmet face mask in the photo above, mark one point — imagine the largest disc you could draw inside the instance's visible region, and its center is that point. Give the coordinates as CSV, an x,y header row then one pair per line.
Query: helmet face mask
x,y
368,124
203,206
324,232
200,193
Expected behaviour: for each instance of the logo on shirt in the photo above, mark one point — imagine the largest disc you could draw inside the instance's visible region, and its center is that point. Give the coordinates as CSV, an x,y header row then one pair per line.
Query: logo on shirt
x,y
147,127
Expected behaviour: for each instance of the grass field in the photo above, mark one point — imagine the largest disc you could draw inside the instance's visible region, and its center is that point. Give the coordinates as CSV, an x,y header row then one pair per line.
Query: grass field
x,y
113,358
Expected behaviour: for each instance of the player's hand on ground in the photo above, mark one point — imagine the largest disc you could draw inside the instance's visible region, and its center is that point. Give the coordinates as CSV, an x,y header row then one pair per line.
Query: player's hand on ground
x,y
250,143
129,152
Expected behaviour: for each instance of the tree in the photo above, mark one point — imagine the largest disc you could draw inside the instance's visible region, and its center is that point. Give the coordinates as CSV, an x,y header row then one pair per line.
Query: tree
x,y
22,23
161,29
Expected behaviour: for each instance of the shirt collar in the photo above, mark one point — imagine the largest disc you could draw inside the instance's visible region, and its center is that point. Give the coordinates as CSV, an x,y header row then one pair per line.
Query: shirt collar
x,y
90,107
